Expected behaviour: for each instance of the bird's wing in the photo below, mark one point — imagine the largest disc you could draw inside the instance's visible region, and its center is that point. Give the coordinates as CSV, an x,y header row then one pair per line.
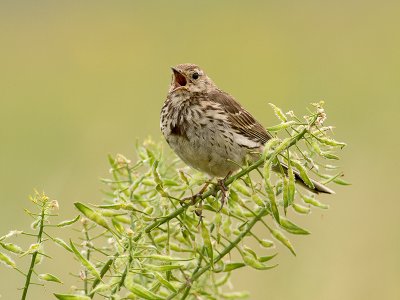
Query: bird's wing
x,y
240,119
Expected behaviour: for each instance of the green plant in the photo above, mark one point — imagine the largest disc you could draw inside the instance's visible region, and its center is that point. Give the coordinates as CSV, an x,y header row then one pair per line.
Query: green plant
x,y
156,237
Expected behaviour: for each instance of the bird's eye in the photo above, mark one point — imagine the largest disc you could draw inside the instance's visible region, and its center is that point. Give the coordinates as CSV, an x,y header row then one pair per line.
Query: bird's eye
x,y
195,75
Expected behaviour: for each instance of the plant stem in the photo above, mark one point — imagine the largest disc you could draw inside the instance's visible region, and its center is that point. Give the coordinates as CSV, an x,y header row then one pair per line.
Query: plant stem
x,y
34,255
224,252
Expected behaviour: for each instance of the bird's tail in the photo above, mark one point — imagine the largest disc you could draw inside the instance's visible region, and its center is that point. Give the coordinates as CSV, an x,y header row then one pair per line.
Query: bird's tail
x,y
318,187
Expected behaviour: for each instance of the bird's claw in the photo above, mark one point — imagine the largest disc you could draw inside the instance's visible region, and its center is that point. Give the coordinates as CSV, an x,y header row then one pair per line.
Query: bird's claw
x,y
222,187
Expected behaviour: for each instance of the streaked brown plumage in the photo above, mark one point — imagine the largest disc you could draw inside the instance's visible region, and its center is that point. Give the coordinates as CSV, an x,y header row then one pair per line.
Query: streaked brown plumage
x,y
207,128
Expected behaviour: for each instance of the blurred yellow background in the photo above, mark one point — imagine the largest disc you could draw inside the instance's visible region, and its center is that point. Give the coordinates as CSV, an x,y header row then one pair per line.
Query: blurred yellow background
x,y
81,79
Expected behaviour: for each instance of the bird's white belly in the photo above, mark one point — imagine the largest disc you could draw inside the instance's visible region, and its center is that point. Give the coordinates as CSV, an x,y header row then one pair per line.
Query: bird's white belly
x,y
208,150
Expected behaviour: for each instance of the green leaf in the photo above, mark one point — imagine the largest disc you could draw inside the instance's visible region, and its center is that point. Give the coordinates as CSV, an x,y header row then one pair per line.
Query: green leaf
x,y
291,227
71,297
291,186
302,173
281,126
87,264
232,266
92,215
102,287
207,243
241,188
165,257
156,175
7,260
330,142
62,244
117,225
68,222
314,202
267,258
140,291
301,209
161,268
49,277
270,191
249,251
285,193
12,248
266,243
254,263
278,112
282,238
318,150
165,282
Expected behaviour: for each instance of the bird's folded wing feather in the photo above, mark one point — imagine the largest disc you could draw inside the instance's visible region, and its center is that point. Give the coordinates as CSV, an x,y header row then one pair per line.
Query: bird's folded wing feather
x,y
240,119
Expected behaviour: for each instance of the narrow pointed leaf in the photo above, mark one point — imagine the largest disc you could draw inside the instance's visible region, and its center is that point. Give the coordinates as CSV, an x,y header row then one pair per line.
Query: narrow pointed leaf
x,y
87,264
281,126
140,291
12,248
7,260
162,268
71,297
232,266
302,173
283,239
291,227
207,243
63,244
92,215
314,202
266,243
301,209
68,222
278,112
165,282
270,191
49,277
267,258
291,186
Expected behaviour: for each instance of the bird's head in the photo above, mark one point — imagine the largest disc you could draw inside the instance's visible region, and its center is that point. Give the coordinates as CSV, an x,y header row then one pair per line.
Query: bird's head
x,y
191,78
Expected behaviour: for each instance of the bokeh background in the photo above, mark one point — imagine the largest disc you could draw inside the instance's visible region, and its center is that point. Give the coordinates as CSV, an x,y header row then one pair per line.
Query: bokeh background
x,y
81,79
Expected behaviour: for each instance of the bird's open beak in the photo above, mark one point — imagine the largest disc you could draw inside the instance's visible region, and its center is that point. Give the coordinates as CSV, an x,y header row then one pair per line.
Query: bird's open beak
x,y
179,79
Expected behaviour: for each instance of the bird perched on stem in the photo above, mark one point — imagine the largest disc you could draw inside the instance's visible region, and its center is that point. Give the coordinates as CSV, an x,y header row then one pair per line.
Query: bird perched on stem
x,y
208,129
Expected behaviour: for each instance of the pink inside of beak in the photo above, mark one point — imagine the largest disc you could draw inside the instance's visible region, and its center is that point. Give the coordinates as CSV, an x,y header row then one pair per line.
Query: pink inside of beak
x,y
180,80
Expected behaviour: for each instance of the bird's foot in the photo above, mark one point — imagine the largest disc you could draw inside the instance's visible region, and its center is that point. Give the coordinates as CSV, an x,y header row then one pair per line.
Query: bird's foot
x,y
194,197
222,187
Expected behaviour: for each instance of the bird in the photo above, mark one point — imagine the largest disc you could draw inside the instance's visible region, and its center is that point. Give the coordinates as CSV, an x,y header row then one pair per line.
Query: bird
x,y
209,130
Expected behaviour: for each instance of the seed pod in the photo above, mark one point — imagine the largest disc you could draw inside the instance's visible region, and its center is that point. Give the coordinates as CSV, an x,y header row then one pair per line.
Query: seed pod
x,y
62,244
281,126
7,260
314,202
278,112
49,277
88,265
300,208
140,291
291,227
71,297
280,237
68,222
92,215
12,248
266,243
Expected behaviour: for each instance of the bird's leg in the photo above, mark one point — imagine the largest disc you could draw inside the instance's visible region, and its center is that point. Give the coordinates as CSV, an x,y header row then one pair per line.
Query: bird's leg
x,y
199,211
222,187
195,196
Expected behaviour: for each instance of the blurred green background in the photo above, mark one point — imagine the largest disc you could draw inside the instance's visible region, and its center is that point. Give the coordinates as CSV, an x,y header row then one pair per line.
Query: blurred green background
x,y
81,79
